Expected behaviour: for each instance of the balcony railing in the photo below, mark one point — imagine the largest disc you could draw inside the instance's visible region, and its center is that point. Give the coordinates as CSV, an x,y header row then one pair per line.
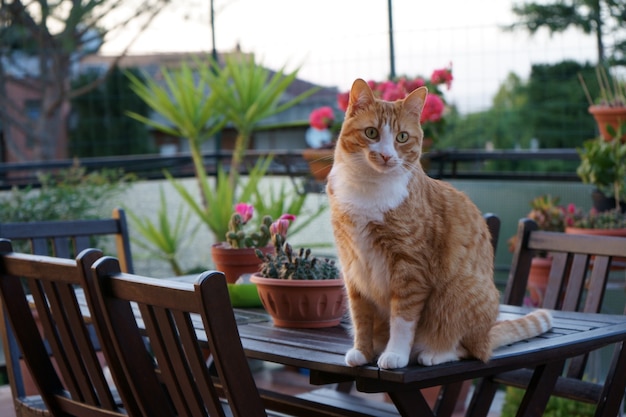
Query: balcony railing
x,y
457,164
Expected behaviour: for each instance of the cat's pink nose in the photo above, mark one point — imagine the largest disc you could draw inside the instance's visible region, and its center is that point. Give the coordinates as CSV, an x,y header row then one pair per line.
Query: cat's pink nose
x,y
385,157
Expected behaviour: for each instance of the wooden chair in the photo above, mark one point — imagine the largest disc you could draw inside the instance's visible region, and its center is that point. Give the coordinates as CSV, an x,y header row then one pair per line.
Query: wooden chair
x,y
63,239
578,278
67,238
169,373
39,302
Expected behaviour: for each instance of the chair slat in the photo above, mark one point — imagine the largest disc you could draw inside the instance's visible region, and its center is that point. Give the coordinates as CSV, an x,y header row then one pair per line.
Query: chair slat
x,y
557,280
575,282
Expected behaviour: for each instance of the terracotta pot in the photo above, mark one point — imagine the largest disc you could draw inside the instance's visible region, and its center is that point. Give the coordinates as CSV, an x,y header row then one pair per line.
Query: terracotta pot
x,y
320,162
617,263
538,279
236,262
611,116
302,303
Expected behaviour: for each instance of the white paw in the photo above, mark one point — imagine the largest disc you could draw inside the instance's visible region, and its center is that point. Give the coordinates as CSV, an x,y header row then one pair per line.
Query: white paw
x,y
429,358
355,357
392,360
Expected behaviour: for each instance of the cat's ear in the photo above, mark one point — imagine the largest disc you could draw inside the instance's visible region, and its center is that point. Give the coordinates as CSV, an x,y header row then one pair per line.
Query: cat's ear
x,y
361,96
414,102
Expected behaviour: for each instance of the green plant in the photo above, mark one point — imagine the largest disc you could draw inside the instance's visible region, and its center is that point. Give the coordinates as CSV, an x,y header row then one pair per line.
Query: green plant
x,y
101,127
164,239
285,263
219,199
274,202
194,108
547,213
612,90
557,406
603,164
247,93
238,237
184,101
610,219
545,210
70,194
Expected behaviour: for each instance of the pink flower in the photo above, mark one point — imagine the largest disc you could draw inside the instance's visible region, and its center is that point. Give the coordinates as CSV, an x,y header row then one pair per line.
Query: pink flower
x,y
412,85
394,92
386,88
442,76
433,109
287,216
342,100
321,118
279,227
245,211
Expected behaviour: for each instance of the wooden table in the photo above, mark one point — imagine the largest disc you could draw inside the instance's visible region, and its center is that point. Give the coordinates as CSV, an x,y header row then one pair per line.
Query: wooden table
x,y
322,351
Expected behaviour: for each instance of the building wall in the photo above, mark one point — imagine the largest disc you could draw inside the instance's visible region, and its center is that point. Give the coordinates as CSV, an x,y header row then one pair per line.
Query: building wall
x,y
26,110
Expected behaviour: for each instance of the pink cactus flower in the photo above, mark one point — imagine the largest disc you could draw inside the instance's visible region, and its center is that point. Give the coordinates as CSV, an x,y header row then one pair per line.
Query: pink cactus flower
x,y
245,210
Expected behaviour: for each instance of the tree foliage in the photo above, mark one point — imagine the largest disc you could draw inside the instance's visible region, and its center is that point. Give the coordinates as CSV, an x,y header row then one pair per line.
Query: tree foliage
x,y
602,18
102,126
549,110
504,125
40,42
557,108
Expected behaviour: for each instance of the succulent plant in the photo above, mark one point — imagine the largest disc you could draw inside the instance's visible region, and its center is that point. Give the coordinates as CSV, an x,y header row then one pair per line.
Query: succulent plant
x,y
286,263
238,238
611,219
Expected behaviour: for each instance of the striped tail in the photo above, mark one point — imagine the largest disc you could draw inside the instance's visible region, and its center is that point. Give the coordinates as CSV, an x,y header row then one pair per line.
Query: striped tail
x,y
511,331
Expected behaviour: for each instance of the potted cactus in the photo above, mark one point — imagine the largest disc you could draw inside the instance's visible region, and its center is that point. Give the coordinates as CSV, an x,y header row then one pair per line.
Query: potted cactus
x,y
236,256
298,289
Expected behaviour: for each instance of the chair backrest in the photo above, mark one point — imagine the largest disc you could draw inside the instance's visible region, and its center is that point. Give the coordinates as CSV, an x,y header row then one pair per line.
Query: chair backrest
x,y
580,269
167,310
63,239
493,224
40,304
67,238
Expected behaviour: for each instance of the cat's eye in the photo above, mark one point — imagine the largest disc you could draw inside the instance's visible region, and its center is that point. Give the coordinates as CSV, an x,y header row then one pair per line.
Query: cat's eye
x,y
371,132
402,137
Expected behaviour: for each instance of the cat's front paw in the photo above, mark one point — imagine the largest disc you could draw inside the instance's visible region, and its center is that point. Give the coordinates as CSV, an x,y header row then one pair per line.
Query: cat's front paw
x,y
429,358
355,357
392,360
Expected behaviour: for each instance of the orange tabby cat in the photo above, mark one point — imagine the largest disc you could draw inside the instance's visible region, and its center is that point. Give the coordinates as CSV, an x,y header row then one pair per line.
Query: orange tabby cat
x,y
415,253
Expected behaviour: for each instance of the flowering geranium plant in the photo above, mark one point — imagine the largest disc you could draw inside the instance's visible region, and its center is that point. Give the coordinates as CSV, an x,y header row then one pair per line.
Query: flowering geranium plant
x,y
432,118
322,118
237,235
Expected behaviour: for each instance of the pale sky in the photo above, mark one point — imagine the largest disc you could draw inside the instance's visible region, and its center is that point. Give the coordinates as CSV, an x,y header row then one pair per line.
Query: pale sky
x,y
336,41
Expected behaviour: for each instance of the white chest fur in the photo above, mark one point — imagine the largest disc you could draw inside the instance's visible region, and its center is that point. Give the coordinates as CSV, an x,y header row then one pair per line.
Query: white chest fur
x,y
366,199
368,196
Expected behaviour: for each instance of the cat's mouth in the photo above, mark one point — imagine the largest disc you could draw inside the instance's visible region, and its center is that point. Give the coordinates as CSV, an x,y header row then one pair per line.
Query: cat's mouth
x,y
385,166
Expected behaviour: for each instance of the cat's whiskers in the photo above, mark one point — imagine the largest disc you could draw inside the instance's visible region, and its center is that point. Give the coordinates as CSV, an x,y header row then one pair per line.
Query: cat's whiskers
x,y
325,158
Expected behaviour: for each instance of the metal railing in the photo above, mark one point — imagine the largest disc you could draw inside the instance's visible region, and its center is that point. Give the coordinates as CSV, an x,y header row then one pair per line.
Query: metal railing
x,y
457,164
